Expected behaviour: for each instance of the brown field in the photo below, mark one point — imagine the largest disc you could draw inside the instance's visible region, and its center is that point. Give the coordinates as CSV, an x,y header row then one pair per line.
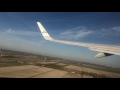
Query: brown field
x,y
89,70
52,74
30,71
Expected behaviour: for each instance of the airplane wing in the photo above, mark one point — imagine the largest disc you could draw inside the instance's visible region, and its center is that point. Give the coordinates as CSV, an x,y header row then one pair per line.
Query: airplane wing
x,y
104,50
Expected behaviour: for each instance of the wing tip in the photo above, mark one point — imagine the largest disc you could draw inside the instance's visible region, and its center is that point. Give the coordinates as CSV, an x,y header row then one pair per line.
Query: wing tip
x,y
44,32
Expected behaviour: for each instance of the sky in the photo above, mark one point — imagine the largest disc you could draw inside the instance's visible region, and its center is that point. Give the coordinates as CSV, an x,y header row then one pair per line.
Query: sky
x,y
19,32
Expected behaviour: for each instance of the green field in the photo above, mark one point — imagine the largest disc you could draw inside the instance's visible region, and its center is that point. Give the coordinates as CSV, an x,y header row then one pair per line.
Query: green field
x,y
54,66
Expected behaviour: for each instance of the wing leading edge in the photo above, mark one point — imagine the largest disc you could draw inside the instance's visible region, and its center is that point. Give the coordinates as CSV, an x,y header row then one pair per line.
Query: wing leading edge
x,y
104,50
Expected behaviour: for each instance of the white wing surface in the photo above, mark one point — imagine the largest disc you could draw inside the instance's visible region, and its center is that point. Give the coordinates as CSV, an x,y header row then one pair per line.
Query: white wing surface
x,y
103,49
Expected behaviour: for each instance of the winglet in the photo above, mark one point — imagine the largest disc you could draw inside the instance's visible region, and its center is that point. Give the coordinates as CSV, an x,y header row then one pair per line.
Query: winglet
x,y
44,32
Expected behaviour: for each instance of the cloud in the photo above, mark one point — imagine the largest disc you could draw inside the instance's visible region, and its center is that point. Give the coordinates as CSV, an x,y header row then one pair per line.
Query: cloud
x,y
21,35
105,31
112,31
80,32
116,28
76,33
21,32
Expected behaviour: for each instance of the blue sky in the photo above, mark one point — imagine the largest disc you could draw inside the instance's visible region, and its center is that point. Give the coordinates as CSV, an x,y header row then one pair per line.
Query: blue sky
x,y
19,32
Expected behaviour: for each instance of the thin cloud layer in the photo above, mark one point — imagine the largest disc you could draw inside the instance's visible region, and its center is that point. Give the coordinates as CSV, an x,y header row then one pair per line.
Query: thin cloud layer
x,y
116,28
80,32
21,32
76,33
113,31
